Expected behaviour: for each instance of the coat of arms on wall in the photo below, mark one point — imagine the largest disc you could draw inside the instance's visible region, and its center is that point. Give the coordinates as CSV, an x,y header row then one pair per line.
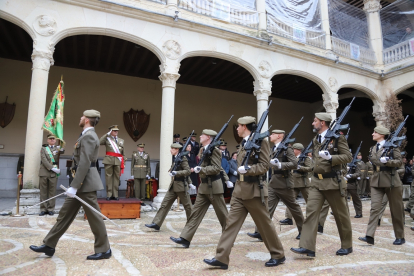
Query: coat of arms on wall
x,y
136,123
236,135
6,113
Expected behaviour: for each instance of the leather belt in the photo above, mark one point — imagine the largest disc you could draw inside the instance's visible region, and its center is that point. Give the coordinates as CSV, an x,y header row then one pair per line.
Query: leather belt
x,y
140,166
178,178
325,175
383,168
248,178
213,178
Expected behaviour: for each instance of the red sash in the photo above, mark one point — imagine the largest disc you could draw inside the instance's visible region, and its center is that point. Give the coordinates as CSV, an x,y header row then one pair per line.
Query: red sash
x,y
118,155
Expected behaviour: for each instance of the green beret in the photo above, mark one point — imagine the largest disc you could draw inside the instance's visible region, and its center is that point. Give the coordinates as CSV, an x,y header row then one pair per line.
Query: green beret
x,y
176,146
382,130
51,136
113,127
141,145
209,132
323,116
278,131
92,113
298,146
246,120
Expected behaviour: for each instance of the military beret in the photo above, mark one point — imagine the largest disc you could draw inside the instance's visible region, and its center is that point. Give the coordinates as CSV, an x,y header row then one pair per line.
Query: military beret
x,y
185,139
51,136
194,135
359,153
298,146
209,132
278,131
323,116
177,135
176,146
91,113
246,120
142,145
114,127
382,130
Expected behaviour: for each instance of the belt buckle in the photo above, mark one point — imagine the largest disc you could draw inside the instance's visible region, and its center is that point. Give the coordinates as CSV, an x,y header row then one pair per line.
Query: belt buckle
x,y
320,176
378,168
241,177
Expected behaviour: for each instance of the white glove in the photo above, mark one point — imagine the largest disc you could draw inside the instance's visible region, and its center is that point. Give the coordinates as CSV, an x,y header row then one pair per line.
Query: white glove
x,y
132,177
359,178
68,176
384,159
325,154
348,176
235,173
109,132
367,177
56,170
148,177
71,192
229,184
242,169
298,168
274,161
191,186
197,169
62,149
173,173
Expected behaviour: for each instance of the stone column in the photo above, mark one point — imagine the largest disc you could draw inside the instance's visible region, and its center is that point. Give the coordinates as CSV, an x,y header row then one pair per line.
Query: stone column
x,y
262,91
330,103
323,6
379,112
372,8
169,79
261,9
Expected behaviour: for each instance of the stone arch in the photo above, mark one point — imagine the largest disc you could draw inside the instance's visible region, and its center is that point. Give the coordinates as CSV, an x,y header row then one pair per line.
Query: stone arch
x,y
371,94
241,62
403,88
109,32
19,22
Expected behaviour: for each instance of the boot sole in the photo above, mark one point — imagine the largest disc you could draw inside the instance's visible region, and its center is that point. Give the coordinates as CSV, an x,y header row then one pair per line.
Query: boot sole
x,y
279,263
307,254
102,258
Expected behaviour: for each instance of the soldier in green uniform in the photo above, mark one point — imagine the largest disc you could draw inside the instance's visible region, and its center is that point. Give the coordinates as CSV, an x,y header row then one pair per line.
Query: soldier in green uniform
x,y
247,199
210,191
281,183
385,181
84,185
48,175
360,180
300,179
352,186
114,161
325,185
178,188
140,171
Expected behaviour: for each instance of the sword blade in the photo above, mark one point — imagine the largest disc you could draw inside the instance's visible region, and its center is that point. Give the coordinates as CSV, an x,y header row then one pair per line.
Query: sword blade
x,y
45,200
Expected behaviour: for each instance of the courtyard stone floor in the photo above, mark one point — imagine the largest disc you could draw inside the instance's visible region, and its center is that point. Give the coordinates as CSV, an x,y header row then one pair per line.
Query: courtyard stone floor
x,y
138,250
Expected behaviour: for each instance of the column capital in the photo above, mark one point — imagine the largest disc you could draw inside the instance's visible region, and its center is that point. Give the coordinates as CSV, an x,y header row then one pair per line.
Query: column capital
x,y
372,6
379,112
330,102
169,79
42,59
262,89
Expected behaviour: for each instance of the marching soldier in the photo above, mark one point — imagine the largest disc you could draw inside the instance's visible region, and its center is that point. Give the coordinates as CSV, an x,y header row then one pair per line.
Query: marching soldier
x,y
353,186
300,179
360,181
326,185
281,183
140,171
247,199
114,161
210,191
48,175
84,185
178,188
385,181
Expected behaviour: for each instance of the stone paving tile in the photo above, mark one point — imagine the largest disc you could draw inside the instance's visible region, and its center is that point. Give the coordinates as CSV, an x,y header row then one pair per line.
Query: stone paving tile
x,y
138,250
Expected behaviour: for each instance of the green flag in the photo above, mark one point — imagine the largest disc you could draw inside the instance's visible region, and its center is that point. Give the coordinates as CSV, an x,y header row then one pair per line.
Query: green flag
x,y
54,118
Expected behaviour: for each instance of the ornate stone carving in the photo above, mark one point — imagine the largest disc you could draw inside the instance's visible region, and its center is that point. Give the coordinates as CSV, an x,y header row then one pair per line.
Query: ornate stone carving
x,y
42,59
330,102
264,69
169,79
262,89
45,25
172,49
170,67
380,117
372,6
333,83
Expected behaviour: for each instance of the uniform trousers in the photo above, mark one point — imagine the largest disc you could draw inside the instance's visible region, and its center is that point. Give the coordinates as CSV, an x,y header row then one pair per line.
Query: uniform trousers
x,y
200,208
356,200
410,203
168,201
338,205
396,207
139,187
260,214
324,213
68,213
305,192
112,174
47,186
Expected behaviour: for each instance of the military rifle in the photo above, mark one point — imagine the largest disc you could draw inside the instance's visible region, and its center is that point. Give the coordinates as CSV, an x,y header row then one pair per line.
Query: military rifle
x,y
393,140
352,165
335,128
347,134
287,140
179,158
304,153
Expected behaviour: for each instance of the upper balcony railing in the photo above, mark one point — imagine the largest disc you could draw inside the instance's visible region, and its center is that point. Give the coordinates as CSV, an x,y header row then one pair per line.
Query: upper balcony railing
x,y
244,17
398,52
349,50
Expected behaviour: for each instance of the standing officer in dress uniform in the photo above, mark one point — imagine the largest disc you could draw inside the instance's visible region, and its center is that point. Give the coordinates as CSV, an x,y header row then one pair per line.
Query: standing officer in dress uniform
x,y
370,173
300,180
325,186
281,183
385,181
177,139
360,181
247,199
224,151
114,161
178,188
140,171
352,186
84,185
195,146
48,175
